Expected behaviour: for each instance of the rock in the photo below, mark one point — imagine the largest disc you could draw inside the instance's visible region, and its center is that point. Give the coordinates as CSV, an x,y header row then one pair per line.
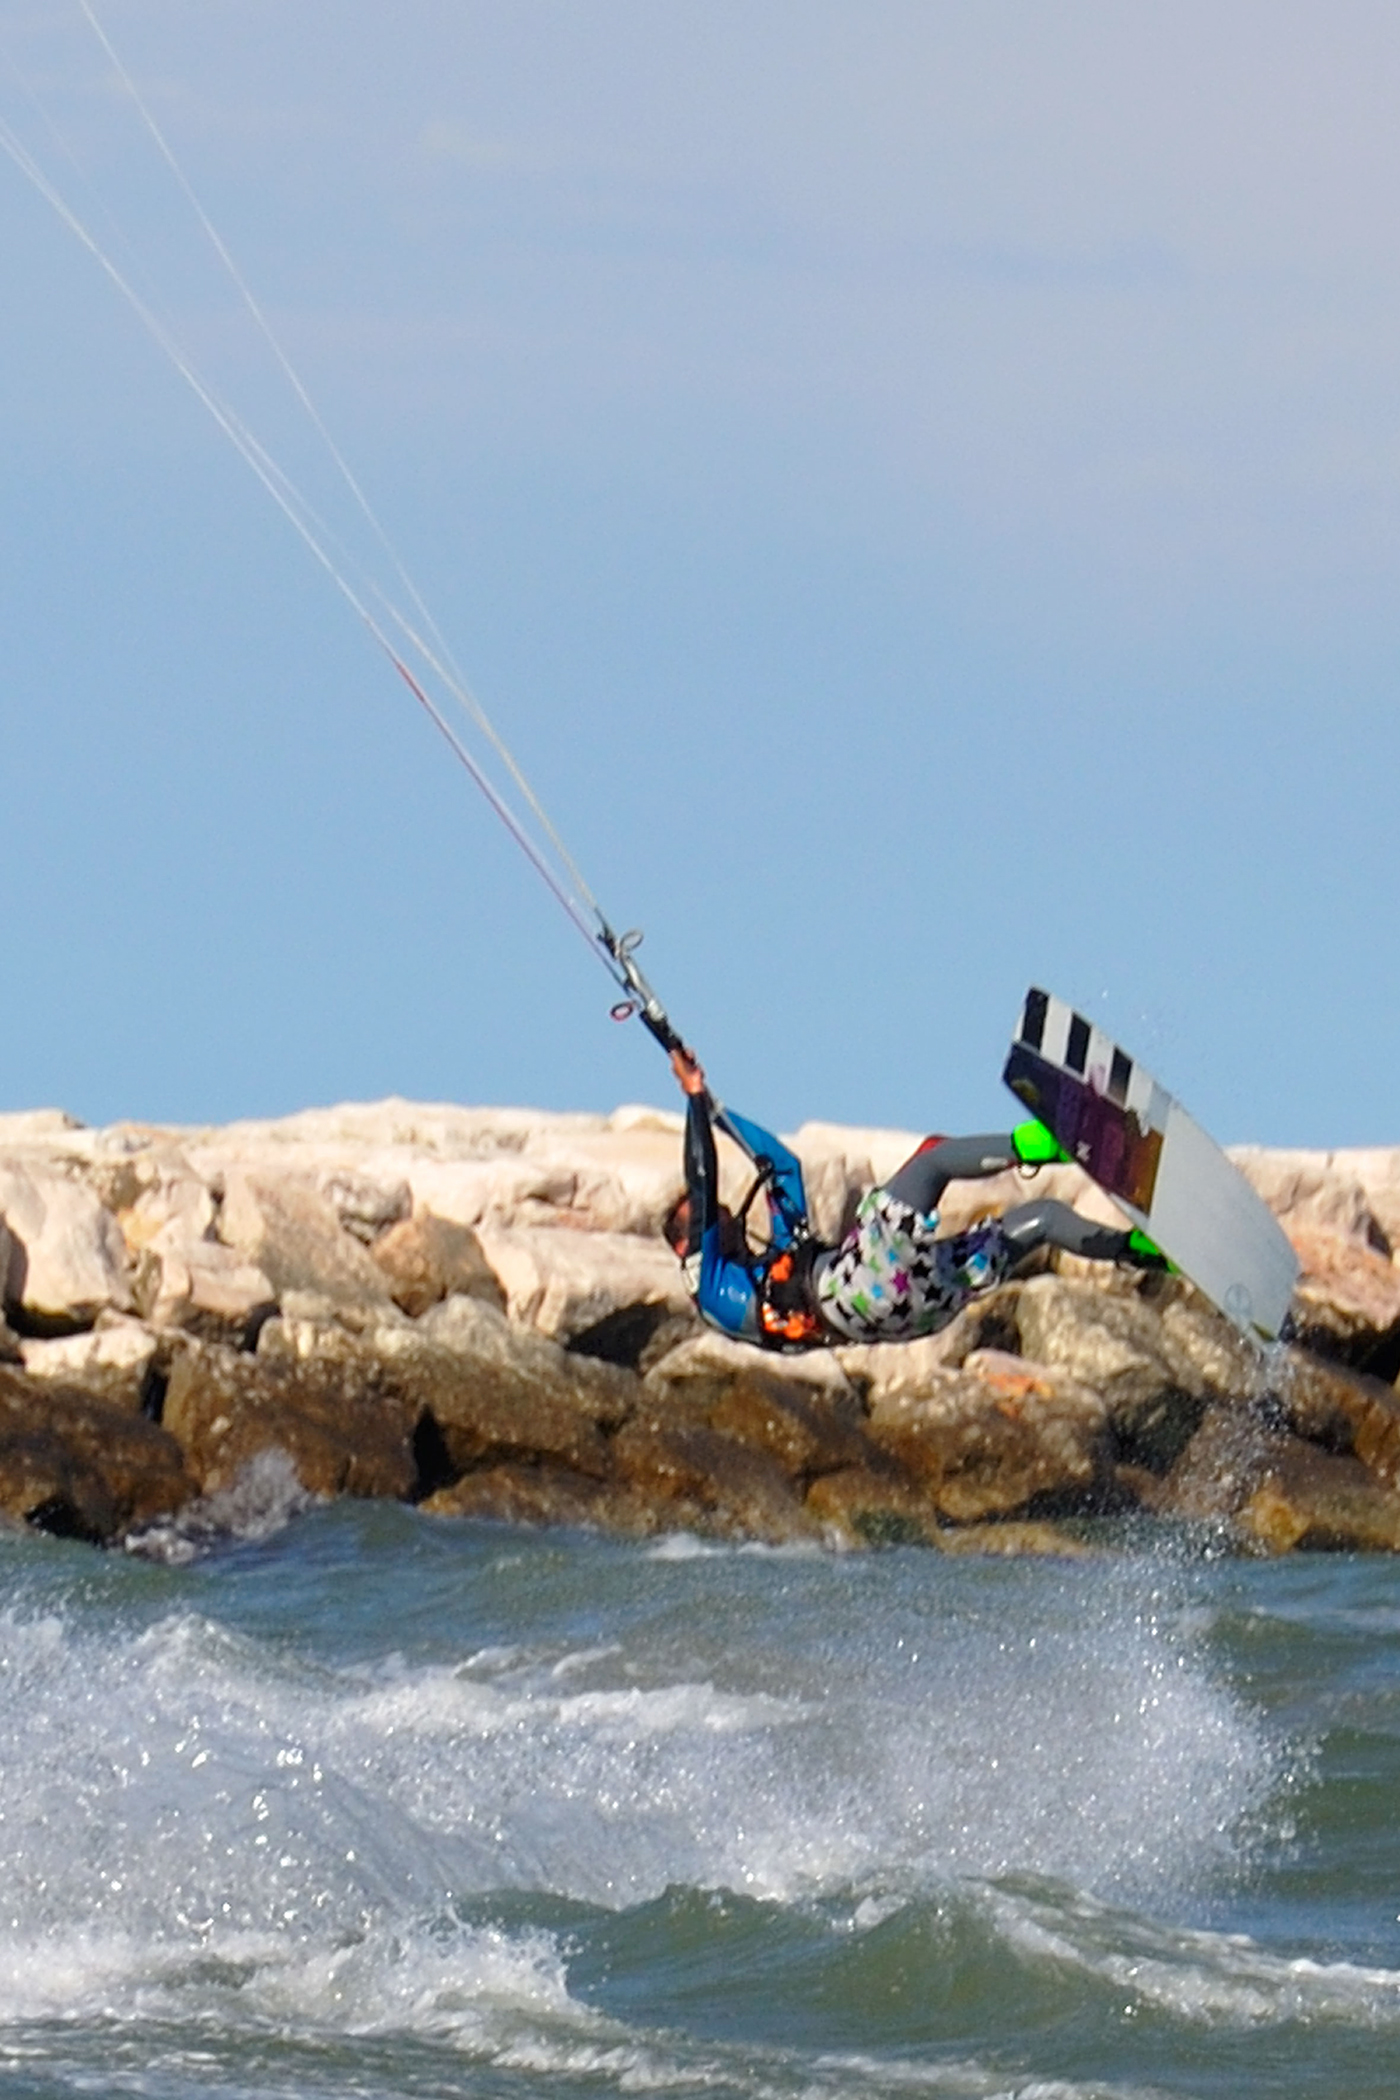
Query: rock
x,y
286,1229
1318,1192
344,1428
1000,1435
570,1285
11,1268
116,1362
1278,1492
1015,1540
1220,1468
498,1394
427,1258
700,1369
861,1507
520,1494
696,1479
364,1207
205,1289
1311,1501
1347,1301
1154,1379
70,1262
80,1467
1345,1411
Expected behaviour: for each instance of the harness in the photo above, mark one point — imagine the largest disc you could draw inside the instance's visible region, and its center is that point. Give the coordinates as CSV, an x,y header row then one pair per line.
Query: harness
x,y
782,1285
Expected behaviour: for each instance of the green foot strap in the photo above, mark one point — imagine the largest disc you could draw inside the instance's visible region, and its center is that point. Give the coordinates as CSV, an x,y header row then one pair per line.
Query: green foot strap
x,y
1149,1254
1035,1146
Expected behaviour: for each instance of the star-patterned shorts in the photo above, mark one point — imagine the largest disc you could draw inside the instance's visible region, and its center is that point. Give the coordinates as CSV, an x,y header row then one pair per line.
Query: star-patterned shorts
x,y
892,1279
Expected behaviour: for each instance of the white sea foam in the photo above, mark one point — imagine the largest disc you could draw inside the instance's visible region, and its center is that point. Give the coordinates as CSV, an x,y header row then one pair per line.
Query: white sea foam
x,y
195,1819
1209,1979
263,1500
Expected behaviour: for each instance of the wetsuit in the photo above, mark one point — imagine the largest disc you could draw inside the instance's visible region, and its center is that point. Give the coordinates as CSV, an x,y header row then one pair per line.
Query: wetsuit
x,y
891,1278
757,1298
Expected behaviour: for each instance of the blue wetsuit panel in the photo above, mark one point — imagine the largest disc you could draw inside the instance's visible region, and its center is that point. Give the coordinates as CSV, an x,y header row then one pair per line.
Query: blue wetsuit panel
x,y
787,1198
725,1295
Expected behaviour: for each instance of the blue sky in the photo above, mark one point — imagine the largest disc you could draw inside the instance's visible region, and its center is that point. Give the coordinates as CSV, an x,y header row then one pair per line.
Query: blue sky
x,y
915,484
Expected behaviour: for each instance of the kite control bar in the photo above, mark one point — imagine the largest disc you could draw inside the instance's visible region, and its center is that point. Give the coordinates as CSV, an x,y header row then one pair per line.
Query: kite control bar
x,y
641,1000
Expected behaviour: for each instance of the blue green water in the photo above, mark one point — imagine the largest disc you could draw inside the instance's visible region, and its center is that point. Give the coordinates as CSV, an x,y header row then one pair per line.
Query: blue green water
x,y
381,1805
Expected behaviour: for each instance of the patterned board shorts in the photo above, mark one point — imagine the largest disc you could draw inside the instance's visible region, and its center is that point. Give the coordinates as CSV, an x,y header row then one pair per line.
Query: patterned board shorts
x,y
891,1279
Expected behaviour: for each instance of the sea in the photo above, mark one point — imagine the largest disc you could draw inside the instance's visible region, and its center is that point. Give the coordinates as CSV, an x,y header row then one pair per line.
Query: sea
x,y
350,1800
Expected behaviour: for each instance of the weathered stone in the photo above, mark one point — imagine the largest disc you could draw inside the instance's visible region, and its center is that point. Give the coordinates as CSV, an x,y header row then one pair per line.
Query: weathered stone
x,y
1344,1411
520,1494
115,1361
426,1258
495,1393
81,1467
1015,1540
860,1506
696,1374
1225,1461
365,1207
291,1233
203,1288
67,1260
699,1480
891,1373
1347,1301
805,1435
568,1283
1312,1501
999,1435
1324,1192
345,1430
1154,1386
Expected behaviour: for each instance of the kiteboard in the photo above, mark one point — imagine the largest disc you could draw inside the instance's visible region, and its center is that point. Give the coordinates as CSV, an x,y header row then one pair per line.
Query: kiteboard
x,y
1131,1137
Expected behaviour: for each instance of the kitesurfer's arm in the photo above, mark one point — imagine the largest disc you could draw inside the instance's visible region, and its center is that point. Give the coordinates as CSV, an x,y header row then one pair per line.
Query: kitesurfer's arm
x,y
701,1163
723,1289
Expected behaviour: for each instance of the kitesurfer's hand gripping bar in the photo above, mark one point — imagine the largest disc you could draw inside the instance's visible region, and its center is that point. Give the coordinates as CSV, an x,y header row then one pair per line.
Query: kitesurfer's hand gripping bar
x,y
641,1000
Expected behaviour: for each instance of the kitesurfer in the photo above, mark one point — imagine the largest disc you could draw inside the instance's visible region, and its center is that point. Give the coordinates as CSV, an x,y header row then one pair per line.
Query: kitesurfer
x,y
892,1277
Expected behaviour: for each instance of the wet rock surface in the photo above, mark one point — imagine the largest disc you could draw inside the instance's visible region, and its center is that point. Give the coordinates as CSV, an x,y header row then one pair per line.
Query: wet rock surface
x,y
474,1310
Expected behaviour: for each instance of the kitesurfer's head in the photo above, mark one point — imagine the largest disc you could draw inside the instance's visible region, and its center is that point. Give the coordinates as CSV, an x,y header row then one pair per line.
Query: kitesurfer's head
x,y
676,1228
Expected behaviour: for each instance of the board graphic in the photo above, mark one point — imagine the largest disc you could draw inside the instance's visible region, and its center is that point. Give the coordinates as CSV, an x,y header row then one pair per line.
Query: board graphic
x,y
1138,1143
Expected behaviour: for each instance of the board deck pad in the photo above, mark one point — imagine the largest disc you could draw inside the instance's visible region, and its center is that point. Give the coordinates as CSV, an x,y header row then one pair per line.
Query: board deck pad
x,y
1138,1143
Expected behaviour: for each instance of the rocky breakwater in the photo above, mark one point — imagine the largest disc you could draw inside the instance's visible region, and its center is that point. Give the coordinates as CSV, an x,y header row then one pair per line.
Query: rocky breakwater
x,y
474,1310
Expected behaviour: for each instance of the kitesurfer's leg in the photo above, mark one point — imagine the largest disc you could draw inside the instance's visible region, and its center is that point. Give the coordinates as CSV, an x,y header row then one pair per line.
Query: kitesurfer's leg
x,y
921,1181
1051,1224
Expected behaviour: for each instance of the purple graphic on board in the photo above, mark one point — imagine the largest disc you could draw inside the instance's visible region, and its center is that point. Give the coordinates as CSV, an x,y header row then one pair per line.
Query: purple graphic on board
x,y
1106,1138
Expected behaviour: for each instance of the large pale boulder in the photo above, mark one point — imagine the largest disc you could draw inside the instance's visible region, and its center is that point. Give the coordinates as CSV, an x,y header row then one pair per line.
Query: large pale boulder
x,y
698,1369
288,1230
204,1288
115,1361
1347,1300
365,1207
1330,1192
569,1285
426,1259
71,1261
